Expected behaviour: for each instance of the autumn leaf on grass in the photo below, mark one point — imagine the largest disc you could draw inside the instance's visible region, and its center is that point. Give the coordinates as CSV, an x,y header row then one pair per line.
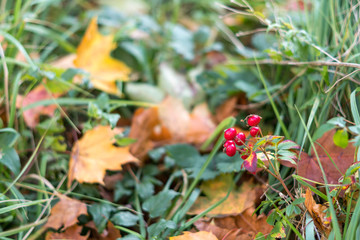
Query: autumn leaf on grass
x,y
195,236
238,200
39,93
65,213
95,153
93,55
73,232
243,226
318,213
169,123
308,166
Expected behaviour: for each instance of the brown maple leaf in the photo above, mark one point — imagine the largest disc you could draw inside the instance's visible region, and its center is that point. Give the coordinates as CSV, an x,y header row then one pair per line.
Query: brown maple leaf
x,y
65,213
73,232
95,153
169,123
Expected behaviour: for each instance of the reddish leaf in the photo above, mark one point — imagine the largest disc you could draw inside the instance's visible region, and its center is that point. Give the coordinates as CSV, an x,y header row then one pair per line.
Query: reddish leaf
x,y
250,163
70,233
308,166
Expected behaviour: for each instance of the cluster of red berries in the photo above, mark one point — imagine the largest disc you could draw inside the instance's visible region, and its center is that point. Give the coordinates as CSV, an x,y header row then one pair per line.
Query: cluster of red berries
x,y
234,138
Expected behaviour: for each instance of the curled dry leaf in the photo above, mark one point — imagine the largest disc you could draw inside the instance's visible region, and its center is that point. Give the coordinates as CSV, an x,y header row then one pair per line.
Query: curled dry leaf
x,y
239,199
308,166
318,213
95,153
169,123
195,236
243,226
73,232
39,93
65,213
93,55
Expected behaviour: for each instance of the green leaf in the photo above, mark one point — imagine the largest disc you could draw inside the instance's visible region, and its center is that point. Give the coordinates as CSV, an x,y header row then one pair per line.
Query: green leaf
x,y
8,137
298,201
120,191
126,219
124,141
145,189
144,92
156,228
341,138
227,164
100,213
288,144
278,231
10,158
157,205
322,129
337,121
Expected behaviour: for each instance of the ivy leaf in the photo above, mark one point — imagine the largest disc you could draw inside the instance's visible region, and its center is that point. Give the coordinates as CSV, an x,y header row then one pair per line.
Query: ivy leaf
x,y
100,212
158,204
126,219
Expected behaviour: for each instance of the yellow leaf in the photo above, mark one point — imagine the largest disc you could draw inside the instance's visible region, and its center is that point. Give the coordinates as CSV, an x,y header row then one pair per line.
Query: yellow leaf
x,y
95,153
93,55
239,199
195,236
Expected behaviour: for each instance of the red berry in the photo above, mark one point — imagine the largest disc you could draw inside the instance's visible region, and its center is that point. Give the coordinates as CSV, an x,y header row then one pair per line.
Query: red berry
x,y
228,143
253,120
254,131
230,150
230,133
240,138
244,156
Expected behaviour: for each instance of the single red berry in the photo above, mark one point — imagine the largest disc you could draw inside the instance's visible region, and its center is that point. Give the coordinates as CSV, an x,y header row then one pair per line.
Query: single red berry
x,y
228,143
230,133
254,131
230,150
244,156
240,139
253,120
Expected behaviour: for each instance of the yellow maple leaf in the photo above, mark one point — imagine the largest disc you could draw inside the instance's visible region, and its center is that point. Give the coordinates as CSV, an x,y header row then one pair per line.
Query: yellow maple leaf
x,y
95,153
195,236
93,55
239,199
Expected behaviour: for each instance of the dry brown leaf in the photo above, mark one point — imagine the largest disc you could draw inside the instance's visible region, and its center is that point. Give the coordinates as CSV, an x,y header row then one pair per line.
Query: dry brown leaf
x,y
72,233
95,153
32,116
308,166
169,123
65,213
239,199
93,55
318,213
109,233
195,236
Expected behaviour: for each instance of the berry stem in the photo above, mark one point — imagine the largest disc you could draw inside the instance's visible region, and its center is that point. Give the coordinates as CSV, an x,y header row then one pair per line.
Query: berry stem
x,y
277,175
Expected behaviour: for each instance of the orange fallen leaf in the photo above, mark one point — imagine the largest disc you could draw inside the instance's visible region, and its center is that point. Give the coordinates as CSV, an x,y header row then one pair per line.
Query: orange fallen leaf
x,y
39,93
308,166
95,153
318,213
243,226
109,233
72,232
169,123
93,55
195,236
239,199
65,213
